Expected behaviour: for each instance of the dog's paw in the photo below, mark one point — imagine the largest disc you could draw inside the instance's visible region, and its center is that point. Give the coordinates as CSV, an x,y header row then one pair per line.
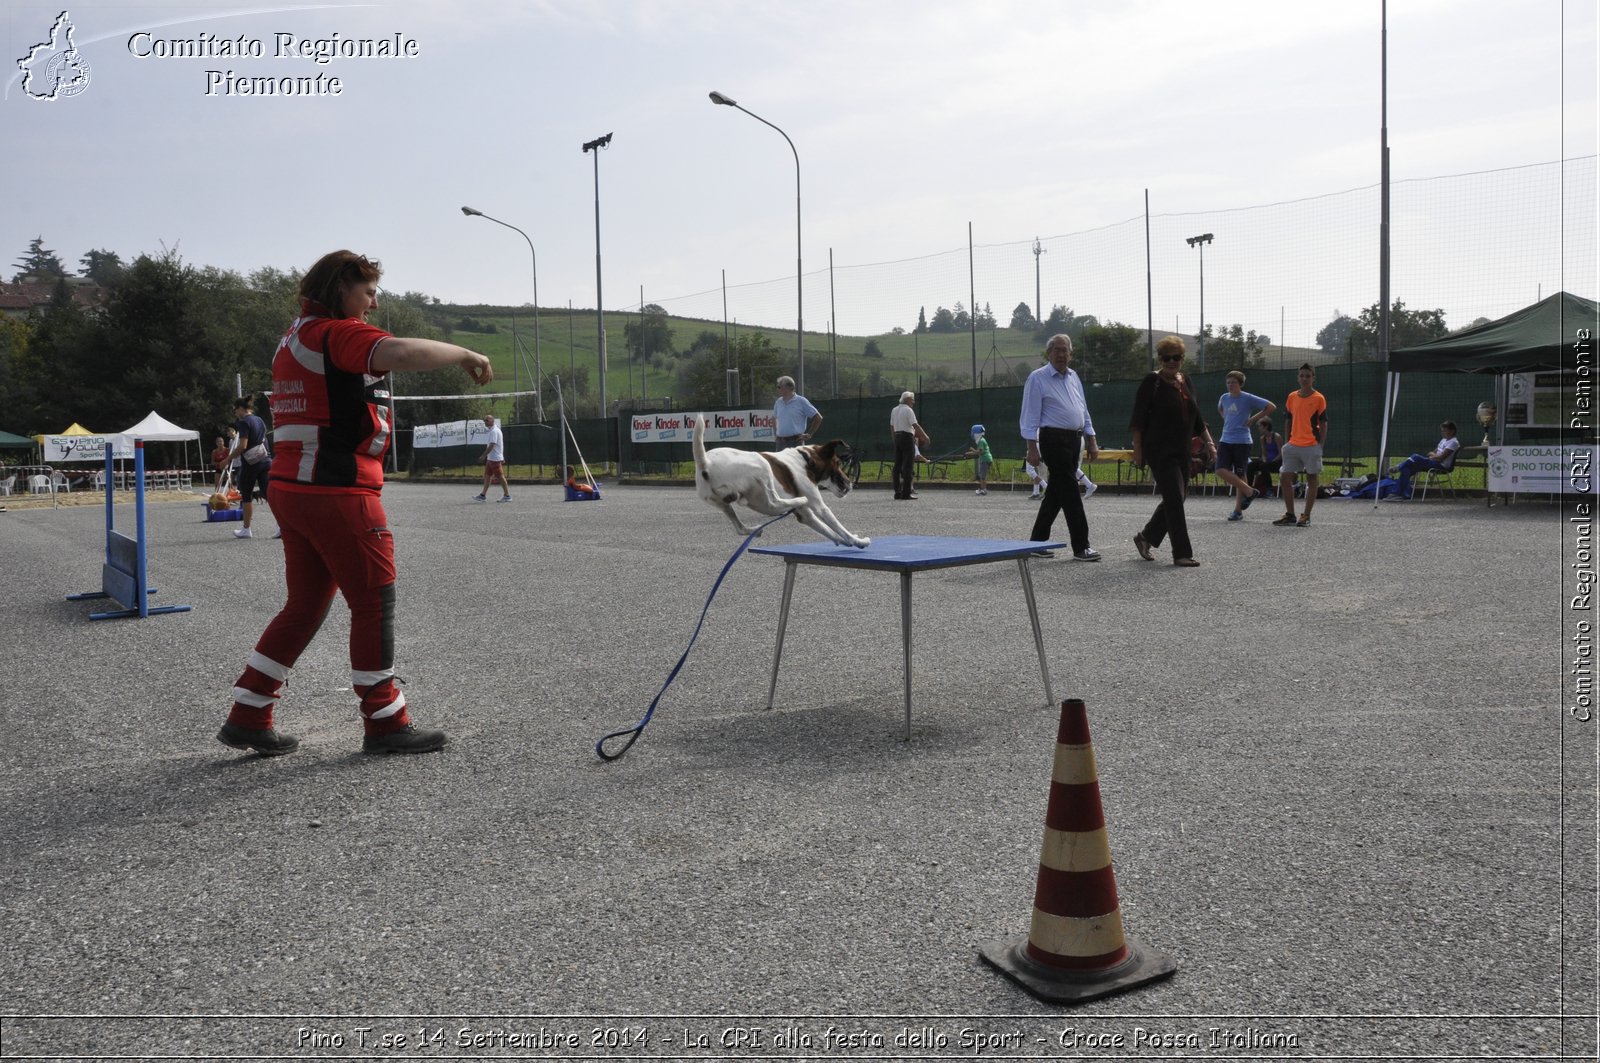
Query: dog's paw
x,y
863,542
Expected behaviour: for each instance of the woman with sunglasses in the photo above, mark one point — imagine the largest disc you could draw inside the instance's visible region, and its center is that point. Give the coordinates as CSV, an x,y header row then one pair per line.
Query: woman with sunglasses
x,y
1165,420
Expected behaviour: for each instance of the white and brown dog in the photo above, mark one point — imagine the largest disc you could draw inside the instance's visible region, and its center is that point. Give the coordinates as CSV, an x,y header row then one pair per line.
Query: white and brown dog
x,y
788,481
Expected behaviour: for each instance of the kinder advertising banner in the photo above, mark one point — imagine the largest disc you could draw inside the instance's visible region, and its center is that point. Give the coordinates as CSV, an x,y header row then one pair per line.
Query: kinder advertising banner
x,y
85,448
1543,470
728,426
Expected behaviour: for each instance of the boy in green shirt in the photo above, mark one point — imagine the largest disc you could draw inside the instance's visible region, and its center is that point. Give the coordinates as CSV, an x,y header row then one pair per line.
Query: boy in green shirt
x,y
980,450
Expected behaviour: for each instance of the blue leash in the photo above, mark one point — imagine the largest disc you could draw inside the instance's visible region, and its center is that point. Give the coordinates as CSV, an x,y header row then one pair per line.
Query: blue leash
x,y
634,731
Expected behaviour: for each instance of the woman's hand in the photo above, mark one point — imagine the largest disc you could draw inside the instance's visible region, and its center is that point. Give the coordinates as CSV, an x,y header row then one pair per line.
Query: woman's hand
x,y
477,366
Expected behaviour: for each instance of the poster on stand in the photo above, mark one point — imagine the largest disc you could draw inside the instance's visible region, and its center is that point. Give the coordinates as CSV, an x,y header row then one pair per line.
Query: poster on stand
x,y
1546,470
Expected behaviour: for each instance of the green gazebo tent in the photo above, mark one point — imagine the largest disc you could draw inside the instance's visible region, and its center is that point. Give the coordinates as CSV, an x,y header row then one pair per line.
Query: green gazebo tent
x,y
1537,338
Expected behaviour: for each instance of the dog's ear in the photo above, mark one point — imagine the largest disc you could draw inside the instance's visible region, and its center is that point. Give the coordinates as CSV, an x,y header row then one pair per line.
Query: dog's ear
x,y
834,448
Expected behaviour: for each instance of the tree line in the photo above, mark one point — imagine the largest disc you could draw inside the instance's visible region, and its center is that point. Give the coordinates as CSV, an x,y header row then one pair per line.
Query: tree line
x,y
166,336
179,339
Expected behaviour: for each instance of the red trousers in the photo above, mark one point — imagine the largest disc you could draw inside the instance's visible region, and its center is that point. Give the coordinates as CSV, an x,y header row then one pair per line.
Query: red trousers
x,y
331,541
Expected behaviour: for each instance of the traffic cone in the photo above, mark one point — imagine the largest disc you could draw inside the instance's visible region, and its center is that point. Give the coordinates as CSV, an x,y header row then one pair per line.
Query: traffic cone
x,y
1076,950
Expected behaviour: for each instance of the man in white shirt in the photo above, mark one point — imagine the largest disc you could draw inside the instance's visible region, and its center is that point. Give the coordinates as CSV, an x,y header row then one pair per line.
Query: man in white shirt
x,y
1442,458
908,435
494,462
1055,426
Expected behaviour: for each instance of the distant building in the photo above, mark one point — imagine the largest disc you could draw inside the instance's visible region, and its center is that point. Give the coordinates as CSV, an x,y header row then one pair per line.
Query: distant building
x,y
17,299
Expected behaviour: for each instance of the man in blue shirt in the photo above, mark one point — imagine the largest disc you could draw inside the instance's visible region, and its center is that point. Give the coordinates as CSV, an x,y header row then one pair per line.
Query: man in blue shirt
x,y
796,420
1056,426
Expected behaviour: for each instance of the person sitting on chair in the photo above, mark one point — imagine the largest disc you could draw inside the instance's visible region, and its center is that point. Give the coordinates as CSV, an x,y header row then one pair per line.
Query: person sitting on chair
x,y
1261,470
1441,459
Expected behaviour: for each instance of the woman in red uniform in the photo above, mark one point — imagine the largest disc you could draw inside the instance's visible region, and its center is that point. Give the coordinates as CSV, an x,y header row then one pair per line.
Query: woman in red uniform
x,y
330,435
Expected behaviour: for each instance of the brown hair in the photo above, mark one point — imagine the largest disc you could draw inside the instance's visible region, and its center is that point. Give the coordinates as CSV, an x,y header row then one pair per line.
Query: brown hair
x,y
325,282
1234,374
1170,343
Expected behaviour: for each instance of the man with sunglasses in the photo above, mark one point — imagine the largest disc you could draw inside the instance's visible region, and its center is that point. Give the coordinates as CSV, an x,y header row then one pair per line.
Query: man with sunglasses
x,y
1056,426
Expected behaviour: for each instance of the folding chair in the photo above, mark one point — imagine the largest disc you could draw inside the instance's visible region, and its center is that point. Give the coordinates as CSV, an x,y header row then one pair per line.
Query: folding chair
x,y
1445,478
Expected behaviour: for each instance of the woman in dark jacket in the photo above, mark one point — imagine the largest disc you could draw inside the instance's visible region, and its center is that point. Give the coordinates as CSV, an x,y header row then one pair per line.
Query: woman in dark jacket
x,y
1165,420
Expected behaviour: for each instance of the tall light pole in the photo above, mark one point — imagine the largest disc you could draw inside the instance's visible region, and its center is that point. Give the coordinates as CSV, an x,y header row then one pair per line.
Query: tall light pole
x,y
1038,306
799,319
538,366
1201,241
599,315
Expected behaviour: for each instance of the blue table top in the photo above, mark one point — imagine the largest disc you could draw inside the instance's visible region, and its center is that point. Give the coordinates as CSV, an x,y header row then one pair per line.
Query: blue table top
x,y
908,553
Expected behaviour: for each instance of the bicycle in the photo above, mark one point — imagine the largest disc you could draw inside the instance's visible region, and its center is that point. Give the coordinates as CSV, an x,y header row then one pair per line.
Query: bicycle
x,y
850,465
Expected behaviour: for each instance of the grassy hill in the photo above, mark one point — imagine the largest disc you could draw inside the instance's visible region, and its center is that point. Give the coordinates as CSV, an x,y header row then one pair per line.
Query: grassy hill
x,y
567,343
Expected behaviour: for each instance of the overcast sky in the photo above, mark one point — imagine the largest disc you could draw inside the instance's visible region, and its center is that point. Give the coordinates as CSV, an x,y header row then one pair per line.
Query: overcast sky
x,y
911,120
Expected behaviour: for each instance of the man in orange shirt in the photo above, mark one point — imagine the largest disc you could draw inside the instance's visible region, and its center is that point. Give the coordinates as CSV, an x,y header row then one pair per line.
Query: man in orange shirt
x,y
1308,413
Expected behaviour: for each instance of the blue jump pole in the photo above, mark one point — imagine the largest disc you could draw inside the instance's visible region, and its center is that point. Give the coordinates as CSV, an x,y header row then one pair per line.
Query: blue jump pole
x,y
125,575
141,558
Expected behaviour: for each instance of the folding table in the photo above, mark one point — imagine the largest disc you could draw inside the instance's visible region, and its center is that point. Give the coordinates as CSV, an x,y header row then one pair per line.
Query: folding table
x,y
908,554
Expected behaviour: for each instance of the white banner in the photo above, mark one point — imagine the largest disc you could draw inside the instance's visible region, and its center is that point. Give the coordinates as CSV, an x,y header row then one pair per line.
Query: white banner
x,y
727,426
451,434
85,448
1543,470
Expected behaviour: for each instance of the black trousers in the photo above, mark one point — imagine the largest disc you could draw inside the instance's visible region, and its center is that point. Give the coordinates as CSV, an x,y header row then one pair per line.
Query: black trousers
x,y
904,461
1269,469
1058,449
1172,480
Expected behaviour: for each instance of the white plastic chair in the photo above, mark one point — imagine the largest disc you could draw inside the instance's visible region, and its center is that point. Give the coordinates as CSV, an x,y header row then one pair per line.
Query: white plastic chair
x,y
7,484
62,484
38,485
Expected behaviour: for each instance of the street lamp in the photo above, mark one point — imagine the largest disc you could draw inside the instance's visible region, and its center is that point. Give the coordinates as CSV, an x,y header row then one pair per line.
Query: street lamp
x,y
538,367
599,314
1201,241
799,320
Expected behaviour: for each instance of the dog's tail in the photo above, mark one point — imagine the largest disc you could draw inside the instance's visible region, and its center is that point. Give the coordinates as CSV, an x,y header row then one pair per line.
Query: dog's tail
x,y
699,447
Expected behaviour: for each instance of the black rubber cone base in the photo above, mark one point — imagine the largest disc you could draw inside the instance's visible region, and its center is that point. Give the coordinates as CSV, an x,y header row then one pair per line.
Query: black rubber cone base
x,y
1059,986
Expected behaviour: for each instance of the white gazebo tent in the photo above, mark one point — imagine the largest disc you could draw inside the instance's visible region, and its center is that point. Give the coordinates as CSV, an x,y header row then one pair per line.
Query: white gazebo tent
x,y
156,428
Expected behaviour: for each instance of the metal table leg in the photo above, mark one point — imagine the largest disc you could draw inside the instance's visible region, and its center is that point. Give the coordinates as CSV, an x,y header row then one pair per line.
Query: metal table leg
x,y
783,623
1038,637
905,639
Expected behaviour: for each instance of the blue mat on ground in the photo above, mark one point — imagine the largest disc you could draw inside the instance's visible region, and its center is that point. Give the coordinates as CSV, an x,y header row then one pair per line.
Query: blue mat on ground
x,y
1385,488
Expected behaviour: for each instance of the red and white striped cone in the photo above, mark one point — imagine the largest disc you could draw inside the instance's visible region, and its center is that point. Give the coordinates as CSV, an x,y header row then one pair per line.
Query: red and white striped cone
x,y
1076,949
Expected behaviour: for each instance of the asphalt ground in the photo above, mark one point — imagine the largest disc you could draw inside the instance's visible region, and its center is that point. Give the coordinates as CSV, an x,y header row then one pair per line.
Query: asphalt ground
x,y
1341,790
